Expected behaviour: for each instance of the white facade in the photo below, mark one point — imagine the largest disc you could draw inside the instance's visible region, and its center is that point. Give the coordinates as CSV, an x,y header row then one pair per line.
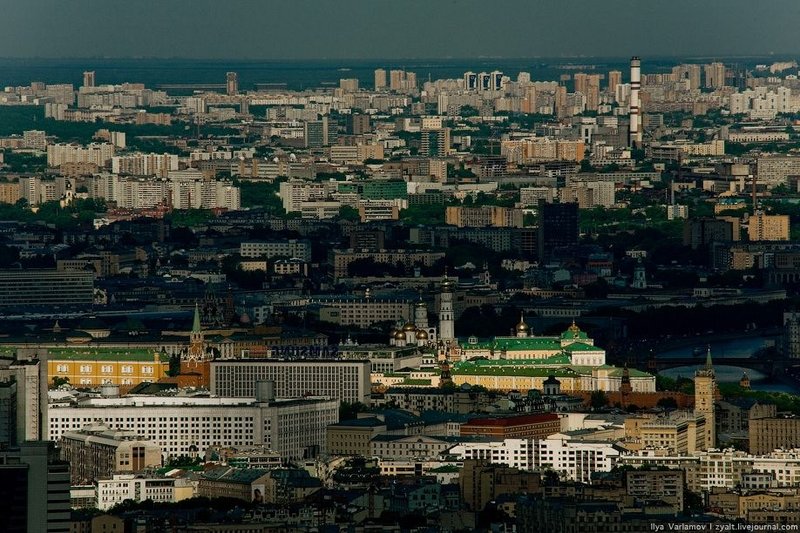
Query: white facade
x,y
723,468
342,380
158,165
290,248
574,460
189,425
96,153
111,492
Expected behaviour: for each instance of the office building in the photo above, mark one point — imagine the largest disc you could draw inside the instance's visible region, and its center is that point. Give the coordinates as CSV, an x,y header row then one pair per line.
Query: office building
x,y
138,488
776,170
344,381
482,217
45,288
291,248
558,227
97,452
35,489
348,310
770,434
763,227
535,426
189,425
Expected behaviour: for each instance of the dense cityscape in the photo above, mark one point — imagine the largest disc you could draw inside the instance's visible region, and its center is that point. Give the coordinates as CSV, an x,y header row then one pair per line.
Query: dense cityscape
x,y
397,302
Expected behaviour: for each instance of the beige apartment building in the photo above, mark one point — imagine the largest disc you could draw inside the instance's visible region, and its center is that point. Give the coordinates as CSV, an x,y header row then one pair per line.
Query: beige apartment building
x,y
768,434
97,452
481,217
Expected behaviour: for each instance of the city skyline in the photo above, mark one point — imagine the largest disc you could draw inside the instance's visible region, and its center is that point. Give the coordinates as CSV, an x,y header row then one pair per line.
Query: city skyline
x,y
412,29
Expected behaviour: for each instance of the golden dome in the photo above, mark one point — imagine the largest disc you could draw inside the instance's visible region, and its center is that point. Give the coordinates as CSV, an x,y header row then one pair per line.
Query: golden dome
x,y
522,326
422,335
419,304
409,327
399,336
574,329
393,332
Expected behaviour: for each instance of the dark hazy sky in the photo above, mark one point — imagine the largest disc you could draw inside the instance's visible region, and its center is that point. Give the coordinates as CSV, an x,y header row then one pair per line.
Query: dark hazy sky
x,y
302,29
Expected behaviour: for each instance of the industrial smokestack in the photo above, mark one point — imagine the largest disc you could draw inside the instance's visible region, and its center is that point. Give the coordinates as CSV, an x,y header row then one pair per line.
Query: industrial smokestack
x,y
635,133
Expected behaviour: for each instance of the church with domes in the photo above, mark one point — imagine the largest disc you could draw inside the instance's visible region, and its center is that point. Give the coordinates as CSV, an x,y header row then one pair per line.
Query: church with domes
x,y
521,361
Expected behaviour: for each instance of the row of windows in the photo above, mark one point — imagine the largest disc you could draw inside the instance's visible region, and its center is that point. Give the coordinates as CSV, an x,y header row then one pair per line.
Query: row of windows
x,y
105,369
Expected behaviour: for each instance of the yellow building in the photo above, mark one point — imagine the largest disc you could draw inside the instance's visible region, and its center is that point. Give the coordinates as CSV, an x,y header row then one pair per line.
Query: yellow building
x,y
90,367
763,227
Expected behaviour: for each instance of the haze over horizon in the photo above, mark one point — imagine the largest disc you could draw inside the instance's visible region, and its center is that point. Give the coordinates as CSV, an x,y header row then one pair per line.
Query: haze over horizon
x,y
374,29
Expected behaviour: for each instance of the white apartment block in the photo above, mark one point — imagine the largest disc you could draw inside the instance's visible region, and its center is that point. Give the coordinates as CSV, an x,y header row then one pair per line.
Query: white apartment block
x,y
723,468
295,193
291,248
121,487
576,460
345,381
141,193
188,425
355,154
96,153
158,165
775,170
363,312
34,139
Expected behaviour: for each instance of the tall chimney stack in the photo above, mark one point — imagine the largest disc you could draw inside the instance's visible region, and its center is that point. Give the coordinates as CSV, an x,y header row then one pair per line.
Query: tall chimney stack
x,y
635,132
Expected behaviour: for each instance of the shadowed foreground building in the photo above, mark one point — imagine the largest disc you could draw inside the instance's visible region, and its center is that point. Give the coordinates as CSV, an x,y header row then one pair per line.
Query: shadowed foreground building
x,y
34,489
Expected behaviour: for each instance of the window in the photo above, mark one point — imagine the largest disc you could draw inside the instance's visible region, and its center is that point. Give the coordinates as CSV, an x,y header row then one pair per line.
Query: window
x,y
107,369
86,369
61,368
127,369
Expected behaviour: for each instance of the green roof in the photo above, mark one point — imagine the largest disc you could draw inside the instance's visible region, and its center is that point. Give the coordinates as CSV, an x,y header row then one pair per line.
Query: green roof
x,y
85,353
515,344
416,382
554,360
582,347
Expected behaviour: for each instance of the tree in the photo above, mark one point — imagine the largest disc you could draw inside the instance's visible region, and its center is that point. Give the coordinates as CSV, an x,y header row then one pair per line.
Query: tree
x,y
349,213
58,381
667,403
598,399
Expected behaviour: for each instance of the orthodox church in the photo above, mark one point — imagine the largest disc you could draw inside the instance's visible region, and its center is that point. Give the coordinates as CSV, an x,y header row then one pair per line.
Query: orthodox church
x,y
516,362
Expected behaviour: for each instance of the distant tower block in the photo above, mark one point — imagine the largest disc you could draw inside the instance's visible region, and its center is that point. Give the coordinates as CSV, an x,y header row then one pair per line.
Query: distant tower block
x,y
635,133
232,83
88,78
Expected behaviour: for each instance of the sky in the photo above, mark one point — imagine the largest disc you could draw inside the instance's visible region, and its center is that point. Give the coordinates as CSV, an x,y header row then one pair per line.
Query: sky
x,y
370,29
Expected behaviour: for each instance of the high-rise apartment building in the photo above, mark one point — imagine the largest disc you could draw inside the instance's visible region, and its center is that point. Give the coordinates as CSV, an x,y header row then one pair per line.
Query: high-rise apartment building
x,y
614,79
380,79
89,78
435,143
715,75
232,83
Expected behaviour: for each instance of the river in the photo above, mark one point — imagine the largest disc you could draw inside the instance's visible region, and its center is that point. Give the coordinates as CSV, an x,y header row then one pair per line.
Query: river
x,y
735,348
